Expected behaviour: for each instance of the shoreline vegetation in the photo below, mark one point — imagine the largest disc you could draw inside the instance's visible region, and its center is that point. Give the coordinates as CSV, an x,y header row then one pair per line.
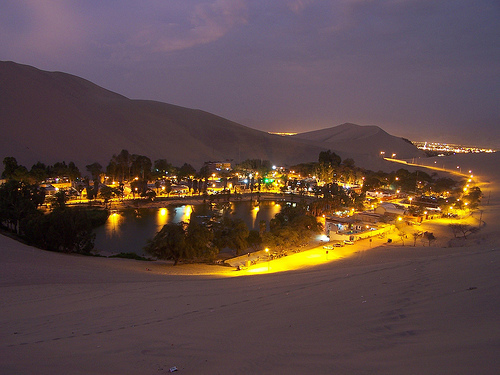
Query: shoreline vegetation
x,y
67,224
440,227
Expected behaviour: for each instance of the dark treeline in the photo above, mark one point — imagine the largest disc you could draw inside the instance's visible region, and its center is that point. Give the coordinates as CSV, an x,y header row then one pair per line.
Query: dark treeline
x,y
39,172
63,229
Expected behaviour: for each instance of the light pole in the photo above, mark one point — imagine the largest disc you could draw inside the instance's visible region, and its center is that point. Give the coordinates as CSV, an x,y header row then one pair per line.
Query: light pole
x,y
267,252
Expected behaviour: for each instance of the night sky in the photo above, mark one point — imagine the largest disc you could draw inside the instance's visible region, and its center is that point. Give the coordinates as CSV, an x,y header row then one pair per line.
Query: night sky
x,y
425,70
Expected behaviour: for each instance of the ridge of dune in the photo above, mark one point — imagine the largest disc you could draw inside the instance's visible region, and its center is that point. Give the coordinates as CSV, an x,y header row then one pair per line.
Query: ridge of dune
x,y
54,116
365,144
343,132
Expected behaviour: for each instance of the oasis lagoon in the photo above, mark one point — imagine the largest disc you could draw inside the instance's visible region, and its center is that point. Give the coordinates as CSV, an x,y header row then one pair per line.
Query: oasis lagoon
x,y
129,230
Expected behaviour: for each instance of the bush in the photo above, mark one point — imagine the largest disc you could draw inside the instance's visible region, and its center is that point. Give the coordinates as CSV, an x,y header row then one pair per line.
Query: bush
x,y
67,230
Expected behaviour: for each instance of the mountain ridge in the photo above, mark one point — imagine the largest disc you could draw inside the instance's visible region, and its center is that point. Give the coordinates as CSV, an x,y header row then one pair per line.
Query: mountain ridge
x,y
55,116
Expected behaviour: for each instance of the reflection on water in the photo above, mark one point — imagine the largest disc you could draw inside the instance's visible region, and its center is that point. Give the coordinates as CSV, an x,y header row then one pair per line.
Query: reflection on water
x,y
129,230
113,223
254,213
162,218
183,213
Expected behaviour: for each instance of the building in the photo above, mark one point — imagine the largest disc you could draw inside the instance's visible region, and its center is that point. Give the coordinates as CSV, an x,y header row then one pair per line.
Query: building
x,y
353,229
390,209
218,166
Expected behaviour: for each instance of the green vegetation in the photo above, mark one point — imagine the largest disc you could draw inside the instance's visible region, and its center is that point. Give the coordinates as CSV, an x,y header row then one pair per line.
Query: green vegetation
x,y
18,200
65,230
291,227
181,242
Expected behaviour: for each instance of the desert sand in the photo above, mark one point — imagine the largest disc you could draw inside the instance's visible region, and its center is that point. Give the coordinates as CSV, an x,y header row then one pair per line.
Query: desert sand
x,y
379,309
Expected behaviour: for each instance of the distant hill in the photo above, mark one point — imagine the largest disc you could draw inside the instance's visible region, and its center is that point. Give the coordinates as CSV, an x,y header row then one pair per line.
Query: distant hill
x,y
364,144
54,116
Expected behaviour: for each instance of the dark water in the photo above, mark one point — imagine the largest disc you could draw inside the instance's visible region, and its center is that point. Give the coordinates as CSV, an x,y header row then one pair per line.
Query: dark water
x,y
128,231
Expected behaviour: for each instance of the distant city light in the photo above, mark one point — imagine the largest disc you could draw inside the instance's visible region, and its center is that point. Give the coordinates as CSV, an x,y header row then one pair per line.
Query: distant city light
x,y
451,148
283,134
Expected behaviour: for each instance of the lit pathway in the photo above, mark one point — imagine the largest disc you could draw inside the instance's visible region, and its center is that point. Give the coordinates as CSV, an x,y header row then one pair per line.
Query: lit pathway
x,y
310,258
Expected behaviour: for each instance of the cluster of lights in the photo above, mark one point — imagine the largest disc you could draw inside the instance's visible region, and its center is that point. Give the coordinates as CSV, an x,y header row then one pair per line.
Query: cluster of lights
x,y
450,148
283,134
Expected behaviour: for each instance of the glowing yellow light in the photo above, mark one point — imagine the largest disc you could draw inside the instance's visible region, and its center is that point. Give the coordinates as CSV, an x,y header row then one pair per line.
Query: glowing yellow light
x,y
312,256
113,223
187,213
257,270
162,217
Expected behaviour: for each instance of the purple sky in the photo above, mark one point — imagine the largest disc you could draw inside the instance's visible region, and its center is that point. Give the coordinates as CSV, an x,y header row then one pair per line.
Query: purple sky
x,y
425,70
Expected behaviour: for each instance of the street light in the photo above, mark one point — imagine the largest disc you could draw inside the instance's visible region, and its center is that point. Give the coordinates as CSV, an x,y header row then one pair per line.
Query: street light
x,y
267,252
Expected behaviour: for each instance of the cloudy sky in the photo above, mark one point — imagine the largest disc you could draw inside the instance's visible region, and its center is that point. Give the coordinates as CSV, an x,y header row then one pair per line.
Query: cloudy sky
x,y
421,69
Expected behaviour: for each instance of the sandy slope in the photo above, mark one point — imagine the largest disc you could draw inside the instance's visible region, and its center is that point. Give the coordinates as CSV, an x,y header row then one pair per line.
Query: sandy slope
x,y
363,144
55,116
387,310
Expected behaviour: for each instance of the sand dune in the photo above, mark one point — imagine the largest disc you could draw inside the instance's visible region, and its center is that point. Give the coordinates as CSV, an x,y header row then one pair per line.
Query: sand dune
x,y
54,116
363,144
388,309
368,140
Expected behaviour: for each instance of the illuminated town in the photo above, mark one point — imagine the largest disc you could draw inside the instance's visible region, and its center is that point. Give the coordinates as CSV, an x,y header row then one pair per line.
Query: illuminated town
x,y
448,148
349,204
283,133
